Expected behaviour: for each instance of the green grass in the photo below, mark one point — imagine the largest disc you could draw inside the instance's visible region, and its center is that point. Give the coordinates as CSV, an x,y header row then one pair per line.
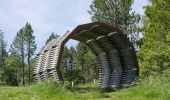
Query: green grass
x,y
150,88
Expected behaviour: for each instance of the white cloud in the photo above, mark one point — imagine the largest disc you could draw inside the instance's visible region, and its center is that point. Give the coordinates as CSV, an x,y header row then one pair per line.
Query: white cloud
x,y
45,16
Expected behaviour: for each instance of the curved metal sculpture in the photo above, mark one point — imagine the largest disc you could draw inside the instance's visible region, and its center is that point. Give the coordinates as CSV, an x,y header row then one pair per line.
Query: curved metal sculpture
x,y
115,55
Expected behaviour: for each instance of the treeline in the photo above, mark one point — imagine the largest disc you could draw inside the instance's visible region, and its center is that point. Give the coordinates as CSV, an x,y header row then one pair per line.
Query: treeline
x,y
16,65
154,55
79,62
153,45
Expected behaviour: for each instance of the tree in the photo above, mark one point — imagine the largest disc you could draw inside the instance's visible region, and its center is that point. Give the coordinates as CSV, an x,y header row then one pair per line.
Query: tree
x,y
12,69
18,46
24,46
90,67
71,72
3,55
82,49
30,45
117,13
71,59
86,61
65,57
154,54
52,36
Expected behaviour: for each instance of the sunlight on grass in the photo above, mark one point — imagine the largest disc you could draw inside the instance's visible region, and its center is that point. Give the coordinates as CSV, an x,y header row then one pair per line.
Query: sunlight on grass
x,y
147,89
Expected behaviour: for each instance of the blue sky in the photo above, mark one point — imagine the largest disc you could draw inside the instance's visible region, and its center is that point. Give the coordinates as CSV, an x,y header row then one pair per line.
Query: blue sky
x,y
47,16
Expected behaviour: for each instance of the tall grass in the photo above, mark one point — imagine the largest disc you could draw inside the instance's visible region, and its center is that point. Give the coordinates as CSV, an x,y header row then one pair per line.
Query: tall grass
x,y
154,87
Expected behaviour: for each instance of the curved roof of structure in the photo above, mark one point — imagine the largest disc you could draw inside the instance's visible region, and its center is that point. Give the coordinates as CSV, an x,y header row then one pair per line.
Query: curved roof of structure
x,y
100,37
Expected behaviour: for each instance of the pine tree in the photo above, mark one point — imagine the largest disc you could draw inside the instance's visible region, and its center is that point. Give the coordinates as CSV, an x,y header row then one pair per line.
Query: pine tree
x,y
65,57
86,61
24,46
71,61
30,46
82,49
18,47
3,55
52,36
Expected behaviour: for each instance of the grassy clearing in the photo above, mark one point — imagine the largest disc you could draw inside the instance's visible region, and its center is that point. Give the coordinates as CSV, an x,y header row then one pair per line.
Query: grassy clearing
x,y
150,88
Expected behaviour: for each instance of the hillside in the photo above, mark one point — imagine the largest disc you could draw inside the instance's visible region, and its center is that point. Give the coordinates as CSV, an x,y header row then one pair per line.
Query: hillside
x,y
151,88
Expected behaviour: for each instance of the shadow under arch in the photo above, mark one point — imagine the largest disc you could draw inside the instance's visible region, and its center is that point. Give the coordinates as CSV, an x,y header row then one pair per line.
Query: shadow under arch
x,y
115,55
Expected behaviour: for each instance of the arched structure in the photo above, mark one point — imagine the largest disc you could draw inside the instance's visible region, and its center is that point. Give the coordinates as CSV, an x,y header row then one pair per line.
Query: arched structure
x,y
115,55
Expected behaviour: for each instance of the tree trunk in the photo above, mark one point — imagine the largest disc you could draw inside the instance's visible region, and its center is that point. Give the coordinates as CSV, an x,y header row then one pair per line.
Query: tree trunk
x,y
28,62
23,65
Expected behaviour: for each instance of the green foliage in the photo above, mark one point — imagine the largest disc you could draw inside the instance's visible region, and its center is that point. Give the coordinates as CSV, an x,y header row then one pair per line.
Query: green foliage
x,y
12,70
117,13
30,47
29,40
71,58
18,43
149,88
52,36
73,75
91,71
18,47
3,55
154,54
70,71
79,65
64,64
24,46
168,37
86,60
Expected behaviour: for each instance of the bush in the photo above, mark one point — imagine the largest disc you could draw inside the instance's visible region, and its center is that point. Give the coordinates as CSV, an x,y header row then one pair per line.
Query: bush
x,y
73,75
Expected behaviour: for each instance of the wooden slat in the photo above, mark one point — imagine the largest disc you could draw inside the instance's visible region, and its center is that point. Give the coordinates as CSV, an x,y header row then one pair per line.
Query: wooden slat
x,y
115,55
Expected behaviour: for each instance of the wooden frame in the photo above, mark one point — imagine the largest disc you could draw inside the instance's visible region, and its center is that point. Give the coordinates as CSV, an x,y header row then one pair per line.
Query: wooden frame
x,y
115,55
